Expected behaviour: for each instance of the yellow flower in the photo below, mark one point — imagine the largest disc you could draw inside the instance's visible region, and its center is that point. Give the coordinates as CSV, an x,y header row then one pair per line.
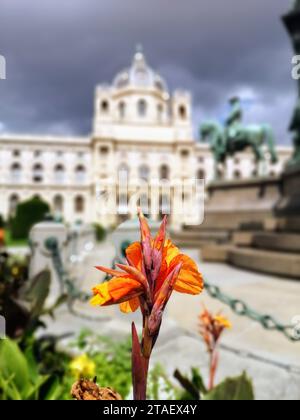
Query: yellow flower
x,y
82,366
223,322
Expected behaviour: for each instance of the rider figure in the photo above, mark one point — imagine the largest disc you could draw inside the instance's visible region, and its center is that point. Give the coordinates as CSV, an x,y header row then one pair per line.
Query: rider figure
x,y
234,121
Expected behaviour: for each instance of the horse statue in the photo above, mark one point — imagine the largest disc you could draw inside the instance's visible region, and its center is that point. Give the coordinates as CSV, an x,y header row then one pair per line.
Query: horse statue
x,y
235,137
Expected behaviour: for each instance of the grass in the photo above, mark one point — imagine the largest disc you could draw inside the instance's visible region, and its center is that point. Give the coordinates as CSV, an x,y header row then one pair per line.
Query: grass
x,y
9,241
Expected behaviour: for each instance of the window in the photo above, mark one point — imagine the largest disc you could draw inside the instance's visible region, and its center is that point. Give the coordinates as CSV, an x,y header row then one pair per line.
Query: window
x,y
123,171
59,172
37,153
142,108
16,153
79,204
104,106
122,110
164,172
144,172
201,174
16,172
237,175
37,173
80,173
185,153
159,112
58,204
104,150
182,112
13,202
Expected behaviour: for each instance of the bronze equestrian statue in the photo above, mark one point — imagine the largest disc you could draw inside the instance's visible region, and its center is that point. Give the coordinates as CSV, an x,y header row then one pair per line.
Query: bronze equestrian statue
x,y
235,137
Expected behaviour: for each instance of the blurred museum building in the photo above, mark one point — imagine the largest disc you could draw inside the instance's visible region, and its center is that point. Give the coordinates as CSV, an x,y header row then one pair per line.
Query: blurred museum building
x,y
140,130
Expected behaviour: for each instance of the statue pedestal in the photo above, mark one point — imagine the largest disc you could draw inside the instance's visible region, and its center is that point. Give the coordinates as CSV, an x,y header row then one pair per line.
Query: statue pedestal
x,y
242,204
288,208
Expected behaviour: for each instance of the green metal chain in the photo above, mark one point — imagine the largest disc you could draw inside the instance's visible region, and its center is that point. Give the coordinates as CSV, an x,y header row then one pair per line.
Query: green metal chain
x,y
239,307
66,284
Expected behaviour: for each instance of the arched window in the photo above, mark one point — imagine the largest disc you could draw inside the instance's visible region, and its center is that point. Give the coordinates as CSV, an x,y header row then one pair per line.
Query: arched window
x,y
13,202
144,172
37,173
123,171
59,173
201,174
164,172
182,112
122,110
16,172
104,106
79,204
58,205
80,173
142,108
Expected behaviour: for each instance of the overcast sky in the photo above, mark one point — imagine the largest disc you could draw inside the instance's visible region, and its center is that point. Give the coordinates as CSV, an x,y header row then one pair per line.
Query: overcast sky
x,y
58,50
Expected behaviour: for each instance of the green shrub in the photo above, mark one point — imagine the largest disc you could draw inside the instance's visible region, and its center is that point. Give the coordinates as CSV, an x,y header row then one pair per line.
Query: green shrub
x,y
100,232
28,214
2,222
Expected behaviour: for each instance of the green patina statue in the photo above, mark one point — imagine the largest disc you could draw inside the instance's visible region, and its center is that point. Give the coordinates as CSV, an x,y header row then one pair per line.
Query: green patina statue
x,y
235,137
292,23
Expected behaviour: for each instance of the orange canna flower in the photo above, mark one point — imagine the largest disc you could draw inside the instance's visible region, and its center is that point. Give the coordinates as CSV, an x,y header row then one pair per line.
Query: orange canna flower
x,y
211,329
155,268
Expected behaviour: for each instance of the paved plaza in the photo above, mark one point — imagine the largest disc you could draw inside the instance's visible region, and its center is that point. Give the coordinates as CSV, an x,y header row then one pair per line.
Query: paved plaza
x,y
269,358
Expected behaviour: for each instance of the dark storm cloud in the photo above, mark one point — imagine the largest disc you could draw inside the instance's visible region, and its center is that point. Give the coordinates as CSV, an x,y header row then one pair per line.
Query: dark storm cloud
x,y
57,51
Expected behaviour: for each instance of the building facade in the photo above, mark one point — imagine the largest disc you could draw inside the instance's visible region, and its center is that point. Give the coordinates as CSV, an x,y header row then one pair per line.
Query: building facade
x,y
140,130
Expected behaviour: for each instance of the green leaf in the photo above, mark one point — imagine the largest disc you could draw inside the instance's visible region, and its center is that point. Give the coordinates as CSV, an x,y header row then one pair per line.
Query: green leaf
x,y
14,364
54,390
232,389
38,292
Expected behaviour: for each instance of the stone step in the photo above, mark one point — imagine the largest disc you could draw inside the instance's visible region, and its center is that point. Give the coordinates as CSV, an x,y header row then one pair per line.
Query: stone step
x,y
215,253
198,238
271,262
285,242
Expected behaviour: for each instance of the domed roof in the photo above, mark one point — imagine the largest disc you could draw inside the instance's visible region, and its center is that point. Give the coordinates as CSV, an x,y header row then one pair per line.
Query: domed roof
x,y
139,75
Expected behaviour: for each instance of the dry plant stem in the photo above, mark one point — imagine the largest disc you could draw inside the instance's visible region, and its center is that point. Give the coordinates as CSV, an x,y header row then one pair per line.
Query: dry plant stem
x,y
214,359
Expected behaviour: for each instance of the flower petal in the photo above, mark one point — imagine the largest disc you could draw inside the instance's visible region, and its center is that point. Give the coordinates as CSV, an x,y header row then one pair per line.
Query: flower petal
x,y
117,290
134,255
130,306
190,280
170,251
111,272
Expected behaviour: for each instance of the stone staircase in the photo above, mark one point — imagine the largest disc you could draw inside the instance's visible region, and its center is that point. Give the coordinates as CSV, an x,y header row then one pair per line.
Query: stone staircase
x,y
196,237
275,253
